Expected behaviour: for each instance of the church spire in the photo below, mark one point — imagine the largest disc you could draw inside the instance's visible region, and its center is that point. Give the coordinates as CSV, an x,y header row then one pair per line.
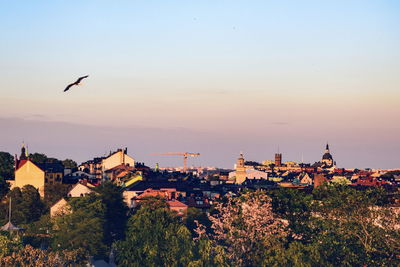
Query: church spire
x,y
23,152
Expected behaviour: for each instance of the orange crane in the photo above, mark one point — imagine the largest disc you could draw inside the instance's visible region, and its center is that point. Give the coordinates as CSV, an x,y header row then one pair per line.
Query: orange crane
x,y
184,154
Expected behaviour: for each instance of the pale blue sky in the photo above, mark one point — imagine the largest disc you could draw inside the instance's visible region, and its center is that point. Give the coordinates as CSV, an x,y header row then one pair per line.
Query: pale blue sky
x,y
293,73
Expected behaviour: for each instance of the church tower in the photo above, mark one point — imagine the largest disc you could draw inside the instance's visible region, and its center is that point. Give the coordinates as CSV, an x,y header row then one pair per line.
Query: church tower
x,y
24,153
327,158
278,159
240,170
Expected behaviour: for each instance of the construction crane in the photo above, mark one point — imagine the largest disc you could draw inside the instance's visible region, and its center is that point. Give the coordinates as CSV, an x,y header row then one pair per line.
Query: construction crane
x,y
184,154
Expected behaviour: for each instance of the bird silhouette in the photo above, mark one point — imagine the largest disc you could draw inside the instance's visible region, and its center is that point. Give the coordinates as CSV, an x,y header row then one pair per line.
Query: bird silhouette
x,y
75,83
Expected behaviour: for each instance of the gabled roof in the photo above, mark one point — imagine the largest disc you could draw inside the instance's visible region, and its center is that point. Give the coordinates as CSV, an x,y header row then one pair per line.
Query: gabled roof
x,y
21,163
47,167
122,167
83,189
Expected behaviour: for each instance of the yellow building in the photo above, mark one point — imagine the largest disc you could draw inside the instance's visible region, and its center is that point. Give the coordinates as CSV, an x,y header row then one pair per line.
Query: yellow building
x,y
267,162
28,172
117,158
60,208
37,175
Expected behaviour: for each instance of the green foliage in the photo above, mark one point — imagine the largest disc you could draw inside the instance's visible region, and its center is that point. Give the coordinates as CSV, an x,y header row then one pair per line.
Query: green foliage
x,y
9,244
353,229
37,233
296,207
155,237
69,164
193,215
6,165
207,254
95,222
336,225
296,254
29,256
4,187
54,192
27,205
83,228
115,212
6,172
38,158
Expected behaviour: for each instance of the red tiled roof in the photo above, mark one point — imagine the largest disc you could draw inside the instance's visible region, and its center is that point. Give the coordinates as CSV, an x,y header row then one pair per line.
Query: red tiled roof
x,y
21,163
122,174
176,204
121,167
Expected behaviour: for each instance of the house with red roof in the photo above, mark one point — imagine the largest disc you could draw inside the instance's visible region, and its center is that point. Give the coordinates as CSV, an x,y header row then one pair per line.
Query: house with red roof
x,y
38,175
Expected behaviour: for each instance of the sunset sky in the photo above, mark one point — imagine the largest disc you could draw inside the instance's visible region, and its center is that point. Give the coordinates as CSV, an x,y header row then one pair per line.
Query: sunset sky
x,y
212,76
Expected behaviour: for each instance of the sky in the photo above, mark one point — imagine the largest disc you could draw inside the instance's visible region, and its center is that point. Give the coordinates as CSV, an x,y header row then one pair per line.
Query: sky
x,y
214,76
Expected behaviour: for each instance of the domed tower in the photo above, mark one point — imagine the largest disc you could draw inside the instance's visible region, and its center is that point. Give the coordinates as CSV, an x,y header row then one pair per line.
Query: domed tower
x,y
327,158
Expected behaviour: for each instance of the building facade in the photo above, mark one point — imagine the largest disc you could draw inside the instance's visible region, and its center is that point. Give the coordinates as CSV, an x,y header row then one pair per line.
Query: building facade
x,y
240,174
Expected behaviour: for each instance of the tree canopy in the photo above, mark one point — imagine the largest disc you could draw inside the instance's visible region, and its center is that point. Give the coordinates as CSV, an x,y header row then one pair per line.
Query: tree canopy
x,y
83,227
155,237
6,165
115,214
27,205
69,164
4,187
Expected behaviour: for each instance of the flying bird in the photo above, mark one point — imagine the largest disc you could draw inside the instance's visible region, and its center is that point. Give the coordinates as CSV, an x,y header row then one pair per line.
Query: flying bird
x,y
75,83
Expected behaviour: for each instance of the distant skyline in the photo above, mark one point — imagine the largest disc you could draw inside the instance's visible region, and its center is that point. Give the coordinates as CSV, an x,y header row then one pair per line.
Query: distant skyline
x,y
215,77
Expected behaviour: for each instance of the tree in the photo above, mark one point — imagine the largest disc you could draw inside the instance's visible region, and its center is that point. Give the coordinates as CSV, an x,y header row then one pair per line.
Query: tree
x,y
29,256
54,192
4,187
8,245
296,207
194,217
69,164
6,165
83,227
207,253
27,205
38,158
155,237
246,227
353,229
115,211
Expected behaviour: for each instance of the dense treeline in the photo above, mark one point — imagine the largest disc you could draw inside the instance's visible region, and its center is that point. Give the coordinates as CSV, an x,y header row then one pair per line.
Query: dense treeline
x,y
335,225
